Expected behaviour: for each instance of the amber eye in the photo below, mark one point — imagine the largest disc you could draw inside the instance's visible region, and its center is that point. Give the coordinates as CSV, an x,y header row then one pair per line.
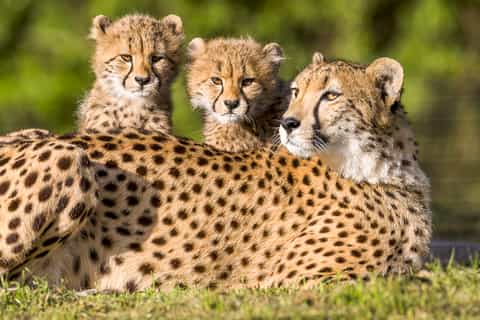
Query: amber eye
x,y
126,57
294,92
216,81
330,96
247,81
157,58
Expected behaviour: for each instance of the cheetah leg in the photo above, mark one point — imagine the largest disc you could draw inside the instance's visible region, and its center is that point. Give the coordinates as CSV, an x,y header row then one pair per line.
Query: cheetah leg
x,y
46,193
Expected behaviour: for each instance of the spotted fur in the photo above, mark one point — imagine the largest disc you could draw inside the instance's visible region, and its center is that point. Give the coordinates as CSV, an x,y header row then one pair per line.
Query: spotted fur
x,y
173,212
24,134
41,206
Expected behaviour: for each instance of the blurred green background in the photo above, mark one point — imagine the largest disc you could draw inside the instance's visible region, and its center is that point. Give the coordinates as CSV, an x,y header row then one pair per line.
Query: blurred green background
x,y
44,69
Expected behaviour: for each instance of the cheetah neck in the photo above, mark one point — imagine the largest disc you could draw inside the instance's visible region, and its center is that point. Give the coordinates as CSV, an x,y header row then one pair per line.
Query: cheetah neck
x,y
234,137
248,135
388,157
101,110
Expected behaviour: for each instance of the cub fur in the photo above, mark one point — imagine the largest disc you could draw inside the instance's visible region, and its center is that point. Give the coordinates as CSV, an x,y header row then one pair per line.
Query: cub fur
x,y
135,62
235,83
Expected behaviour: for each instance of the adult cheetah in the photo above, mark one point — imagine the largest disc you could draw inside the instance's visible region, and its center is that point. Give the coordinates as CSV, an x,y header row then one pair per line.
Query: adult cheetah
x,y
235,83
171,211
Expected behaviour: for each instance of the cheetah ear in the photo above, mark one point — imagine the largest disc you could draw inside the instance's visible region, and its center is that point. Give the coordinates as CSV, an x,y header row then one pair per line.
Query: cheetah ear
x,y
99,26
174,23
388,77
318,58
195,48
274,51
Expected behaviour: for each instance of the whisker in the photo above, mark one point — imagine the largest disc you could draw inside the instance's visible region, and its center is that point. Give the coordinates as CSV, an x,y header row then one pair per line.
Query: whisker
x,y
319,145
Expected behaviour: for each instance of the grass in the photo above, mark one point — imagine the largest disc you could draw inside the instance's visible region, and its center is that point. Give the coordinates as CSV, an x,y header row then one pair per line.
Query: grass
x,y
449,293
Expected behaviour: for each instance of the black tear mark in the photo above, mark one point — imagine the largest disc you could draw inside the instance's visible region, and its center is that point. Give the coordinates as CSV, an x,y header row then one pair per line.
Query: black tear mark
x,y
128,74
216,99
242,94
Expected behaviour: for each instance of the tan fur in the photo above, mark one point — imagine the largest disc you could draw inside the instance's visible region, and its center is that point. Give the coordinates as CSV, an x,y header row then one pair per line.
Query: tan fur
x,y
24,134
117,99
236,70
191,215
41,205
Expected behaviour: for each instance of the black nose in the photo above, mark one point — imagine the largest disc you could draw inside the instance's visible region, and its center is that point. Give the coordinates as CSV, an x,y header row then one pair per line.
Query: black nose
x,y
142,80
289,124
231,104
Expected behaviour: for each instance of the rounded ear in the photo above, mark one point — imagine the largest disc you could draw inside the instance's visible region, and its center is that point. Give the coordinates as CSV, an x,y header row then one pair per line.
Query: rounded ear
x,y
99,26
174,23
195,48
318,58
388,76
274,52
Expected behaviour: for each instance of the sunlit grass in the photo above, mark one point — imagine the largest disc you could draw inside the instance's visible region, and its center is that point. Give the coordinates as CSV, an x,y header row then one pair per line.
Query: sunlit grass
x,y
441,293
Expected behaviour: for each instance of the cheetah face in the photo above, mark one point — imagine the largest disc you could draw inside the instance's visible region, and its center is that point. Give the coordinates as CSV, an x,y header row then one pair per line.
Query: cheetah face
x,y
334,103
232,79
136,56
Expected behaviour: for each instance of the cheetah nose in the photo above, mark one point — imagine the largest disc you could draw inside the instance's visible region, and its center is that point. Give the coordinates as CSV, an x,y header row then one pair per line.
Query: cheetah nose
x,y
231,104
142,80
289,124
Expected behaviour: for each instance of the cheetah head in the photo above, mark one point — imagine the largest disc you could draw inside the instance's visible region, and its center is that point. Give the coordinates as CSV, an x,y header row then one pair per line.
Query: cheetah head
x,y
232,79
351,115
136,56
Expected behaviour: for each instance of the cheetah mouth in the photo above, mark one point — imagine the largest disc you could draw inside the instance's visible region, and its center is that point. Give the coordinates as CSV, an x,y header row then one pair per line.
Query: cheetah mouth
x,y
304,147
304,150
228,117
146,90
143,92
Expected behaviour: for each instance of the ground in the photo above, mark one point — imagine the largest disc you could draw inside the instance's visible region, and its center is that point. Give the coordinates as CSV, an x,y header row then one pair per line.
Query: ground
x,y
442,293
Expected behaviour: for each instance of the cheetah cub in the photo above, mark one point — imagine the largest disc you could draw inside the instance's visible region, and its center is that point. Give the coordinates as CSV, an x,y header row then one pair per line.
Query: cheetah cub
x,y
135,62
235,83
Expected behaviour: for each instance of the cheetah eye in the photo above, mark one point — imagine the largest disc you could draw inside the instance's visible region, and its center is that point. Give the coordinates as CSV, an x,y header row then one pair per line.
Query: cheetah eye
x,y
331,95
126,57
156,58
216,81
294,92
247,81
